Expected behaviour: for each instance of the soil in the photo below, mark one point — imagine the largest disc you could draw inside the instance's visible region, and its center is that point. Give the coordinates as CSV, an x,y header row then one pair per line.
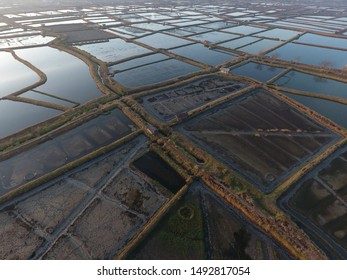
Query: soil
x,y
258,135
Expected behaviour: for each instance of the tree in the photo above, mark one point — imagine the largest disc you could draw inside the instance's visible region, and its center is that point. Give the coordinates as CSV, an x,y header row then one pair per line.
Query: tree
x,y
275,55
326,64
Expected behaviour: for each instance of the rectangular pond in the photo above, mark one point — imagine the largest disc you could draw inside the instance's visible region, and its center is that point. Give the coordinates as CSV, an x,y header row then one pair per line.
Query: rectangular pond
x,y
218,25
163,41
258,135
25,41
311,55
131,30
318,203
178,32
41,96
104,187
75,21
306,82
136,62
237,43
17,32
279,33
315,39
244,29
15,116
200,53
152,26
260,46
113,50
157,169
154,73
332,110
64,148
301,26
195,29
155,16
260,72
202,226
213,37
189,23
180,100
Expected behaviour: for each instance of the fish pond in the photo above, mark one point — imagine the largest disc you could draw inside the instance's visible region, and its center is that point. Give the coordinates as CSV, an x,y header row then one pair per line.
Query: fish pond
x,y
306,82
67,76
332,110
113,50
318,202
154,73
163,41
317,56
257,71
200,53
14,75
157,169
323,40
136,62
16,116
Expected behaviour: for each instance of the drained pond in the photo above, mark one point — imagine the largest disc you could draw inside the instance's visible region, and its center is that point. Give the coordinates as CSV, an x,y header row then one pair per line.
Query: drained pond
x,y
65,148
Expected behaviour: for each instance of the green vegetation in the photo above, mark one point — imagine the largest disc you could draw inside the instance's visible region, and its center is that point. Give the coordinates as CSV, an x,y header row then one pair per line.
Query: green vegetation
x,y
183,238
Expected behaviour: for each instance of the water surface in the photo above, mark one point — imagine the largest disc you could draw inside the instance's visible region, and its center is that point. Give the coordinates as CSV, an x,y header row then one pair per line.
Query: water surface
x,y
188,23
311,55
196,29
113,50
302,26
259,46
25,41
14,75
67,76
16,116
244,29
156,168
35,95
237,43
154,73
323,40
202,54
278,33
178,32
136,62
131,30
213,36
152,26
154,16
306,82
218,25
62,149
164,41
260,72
332,110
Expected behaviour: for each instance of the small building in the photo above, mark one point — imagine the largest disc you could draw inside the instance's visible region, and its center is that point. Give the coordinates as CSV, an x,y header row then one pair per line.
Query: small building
x,y
151,129
224,70
181,116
